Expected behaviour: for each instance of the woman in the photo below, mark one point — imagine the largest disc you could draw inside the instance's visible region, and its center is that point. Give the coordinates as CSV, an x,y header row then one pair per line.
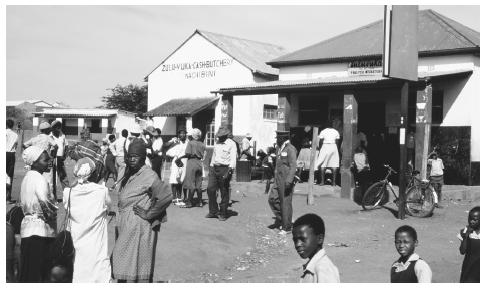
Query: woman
x,y
142,201
37,230
177,174
195,151
88,222
110,159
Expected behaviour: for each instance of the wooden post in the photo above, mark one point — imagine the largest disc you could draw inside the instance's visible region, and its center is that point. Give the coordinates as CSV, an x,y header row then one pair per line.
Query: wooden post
x,y
403,149
227,111
350,119
310,183
423,121
283,112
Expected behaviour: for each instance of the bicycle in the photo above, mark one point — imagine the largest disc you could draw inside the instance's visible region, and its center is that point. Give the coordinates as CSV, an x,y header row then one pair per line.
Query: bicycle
x,y
420,196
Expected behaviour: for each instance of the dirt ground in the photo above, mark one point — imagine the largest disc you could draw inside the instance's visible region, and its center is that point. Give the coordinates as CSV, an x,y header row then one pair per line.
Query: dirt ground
x,y
192,248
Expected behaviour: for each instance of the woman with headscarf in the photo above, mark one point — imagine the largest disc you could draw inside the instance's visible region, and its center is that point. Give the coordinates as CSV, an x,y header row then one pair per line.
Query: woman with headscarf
x,y
88,224
38,228
142,201
195,151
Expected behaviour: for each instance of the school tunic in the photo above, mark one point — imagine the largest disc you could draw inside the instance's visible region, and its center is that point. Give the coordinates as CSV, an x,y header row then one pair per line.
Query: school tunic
x,y
414,270
470,266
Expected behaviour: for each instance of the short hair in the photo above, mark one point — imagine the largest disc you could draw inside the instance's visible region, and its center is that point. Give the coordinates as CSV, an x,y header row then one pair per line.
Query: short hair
x,y
312,220
124,133
10,123
158,131
111,137
407,229
473,210
181,131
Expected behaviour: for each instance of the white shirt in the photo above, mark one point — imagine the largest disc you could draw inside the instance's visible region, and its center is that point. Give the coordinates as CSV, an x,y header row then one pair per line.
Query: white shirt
x,y
224,154
320,269
119,146
330,135
421,269
61,143
437,167
12,141
245,145
157,145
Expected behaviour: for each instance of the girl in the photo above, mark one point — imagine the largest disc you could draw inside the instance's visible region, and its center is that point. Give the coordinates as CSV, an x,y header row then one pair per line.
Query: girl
x,y
469,237
436,174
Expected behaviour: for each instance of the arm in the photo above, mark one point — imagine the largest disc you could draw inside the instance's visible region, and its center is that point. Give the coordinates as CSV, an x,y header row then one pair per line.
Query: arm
x,y
27,144
291,156
161,199
233,156
211,163
463,235
423,272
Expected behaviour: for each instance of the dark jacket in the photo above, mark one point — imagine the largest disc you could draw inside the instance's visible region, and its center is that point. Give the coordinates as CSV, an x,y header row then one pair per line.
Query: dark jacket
x,y
285,166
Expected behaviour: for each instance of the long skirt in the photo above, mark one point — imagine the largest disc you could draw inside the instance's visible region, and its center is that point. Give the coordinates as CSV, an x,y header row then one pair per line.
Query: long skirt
x,y
34,259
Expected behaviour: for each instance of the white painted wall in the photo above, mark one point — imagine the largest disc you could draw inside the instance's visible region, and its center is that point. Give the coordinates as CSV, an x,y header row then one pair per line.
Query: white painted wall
x,y
123,121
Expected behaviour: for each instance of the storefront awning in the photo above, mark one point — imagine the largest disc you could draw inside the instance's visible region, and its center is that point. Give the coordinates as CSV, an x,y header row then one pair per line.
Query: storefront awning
x,y
76,112
344,82
182,107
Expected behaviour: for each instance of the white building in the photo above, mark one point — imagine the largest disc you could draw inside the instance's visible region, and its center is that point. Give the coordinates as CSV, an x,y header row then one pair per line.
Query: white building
x,y
179,88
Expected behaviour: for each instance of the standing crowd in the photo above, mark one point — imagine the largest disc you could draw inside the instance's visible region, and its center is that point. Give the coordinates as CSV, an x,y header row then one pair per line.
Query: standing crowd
x,y
135,163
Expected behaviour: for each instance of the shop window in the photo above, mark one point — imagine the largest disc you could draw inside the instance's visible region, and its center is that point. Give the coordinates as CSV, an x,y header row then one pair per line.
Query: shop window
x,y
270,112
210,135
95,126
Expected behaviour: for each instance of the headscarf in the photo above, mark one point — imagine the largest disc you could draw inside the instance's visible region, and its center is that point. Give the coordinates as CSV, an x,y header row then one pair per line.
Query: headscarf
x,y
83,169
196,133
30,155
138,147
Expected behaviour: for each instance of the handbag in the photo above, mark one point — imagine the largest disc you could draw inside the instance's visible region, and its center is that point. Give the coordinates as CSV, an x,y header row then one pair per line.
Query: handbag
x,y
63,248
179,162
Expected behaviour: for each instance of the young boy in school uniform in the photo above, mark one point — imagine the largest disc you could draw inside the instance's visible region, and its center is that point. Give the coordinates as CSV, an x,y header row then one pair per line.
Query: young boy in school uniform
x,y
308,235
409,268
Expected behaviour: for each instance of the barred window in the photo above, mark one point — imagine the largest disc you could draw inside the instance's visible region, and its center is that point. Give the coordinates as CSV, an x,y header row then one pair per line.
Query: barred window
x,y
270,112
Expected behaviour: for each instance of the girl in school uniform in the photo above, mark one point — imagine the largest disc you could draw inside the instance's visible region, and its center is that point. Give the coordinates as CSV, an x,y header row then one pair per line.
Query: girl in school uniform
x,y
469,237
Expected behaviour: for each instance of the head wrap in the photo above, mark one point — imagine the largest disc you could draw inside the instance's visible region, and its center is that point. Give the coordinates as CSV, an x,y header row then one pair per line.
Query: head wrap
x,y
196,133
30,155
248,135
137,147
83,169
44,125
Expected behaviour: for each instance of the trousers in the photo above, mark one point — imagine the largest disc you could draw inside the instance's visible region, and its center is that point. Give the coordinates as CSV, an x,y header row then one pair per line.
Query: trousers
x,y
217,180
280,201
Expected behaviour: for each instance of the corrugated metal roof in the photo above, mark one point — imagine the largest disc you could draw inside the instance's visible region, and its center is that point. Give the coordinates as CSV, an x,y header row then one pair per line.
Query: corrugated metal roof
x,y
331,81
78,112
437,33
182,107
252,54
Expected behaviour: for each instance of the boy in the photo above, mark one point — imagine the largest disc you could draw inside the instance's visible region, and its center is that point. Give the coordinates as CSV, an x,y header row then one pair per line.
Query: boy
x,y
409,268
308,235
436,175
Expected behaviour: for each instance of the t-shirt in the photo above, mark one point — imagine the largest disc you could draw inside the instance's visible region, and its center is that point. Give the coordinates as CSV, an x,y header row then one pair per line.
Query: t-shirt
x,y
329,135
437,167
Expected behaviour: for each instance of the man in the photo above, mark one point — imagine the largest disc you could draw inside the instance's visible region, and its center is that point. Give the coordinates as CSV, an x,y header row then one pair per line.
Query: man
x,y
280,198
222,165
45,141
157,145
246,147
11,147
61,142
85,134
328,154
119,153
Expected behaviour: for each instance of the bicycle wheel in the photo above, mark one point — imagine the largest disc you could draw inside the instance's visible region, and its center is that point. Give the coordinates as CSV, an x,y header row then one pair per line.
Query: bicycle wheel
x,y
419,201
373,197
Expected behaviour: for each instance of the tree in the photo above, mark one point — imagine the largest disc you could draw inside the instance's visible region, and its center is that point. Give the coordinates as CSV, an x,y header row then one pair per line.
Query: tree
x,y
132,98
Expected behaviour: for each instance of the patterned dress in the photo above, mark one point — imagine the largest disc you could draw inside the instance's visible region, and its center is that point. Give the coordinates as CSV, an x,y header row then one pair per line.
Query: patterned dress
x,y
134,251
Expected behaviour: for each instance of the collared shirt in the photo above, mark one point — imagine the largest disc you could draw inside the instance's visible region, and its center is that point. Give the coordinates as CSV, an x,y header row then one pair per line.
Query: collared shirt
x,y
245,145
330,135
283,146
119,146
320,269
421,269
157,145
43,141
473,235
437,167
224,154
61,143
12,140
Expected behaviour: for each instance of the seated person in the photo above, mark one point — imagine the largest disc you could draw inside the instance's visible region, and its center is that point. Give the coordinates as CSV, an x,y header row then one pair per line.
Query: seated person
x,y
361,170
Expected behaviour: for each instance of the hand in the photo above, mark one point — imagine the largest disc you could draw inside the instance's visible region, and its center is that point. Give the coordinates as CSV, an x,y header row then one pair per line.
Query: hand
x,y
139,211
469,230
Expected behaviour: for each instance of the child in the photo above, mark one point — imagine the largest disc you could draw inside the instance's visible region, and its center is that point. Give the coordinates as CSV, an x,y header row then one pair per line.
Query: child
x,y
436,174
469,237
362,171
308,235
268,167
409,268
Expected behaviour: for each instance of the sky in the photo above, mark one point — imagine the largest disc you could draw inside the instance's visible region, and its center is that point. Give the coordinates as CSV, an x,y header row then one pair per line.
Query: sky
x,y
74,54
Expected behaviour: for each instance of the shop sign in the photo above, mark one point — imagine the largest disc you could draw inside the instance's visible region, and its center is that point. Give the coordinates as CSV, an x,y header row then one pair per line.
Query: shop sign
x,y
365,67
197,69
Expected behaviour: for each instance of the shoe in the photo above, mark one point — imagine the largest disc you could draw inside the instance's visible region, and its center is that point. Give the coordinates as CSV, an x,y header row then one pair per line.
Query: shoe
x,y
210,215
185,205
222,217
284,232
438,206
274,226
200,204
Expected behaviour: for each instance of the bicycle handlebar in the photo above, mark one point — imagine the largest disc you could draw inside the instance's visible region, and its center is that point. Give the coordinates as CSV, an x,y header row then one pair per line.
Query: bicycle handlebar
x,y
390,168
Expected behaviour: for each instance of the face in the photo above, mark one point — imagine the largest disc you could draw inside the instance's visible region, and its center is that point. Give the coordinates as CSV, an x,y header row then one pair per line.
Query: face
x,y
42,164
405,244
281,140
474,220
135,161
222,138
182,136
306,242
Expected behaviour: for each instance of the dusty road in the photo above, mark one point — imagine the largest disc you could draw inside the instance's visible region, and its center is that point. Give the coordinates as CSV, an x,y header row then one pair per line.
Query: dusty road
x,y
192,248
